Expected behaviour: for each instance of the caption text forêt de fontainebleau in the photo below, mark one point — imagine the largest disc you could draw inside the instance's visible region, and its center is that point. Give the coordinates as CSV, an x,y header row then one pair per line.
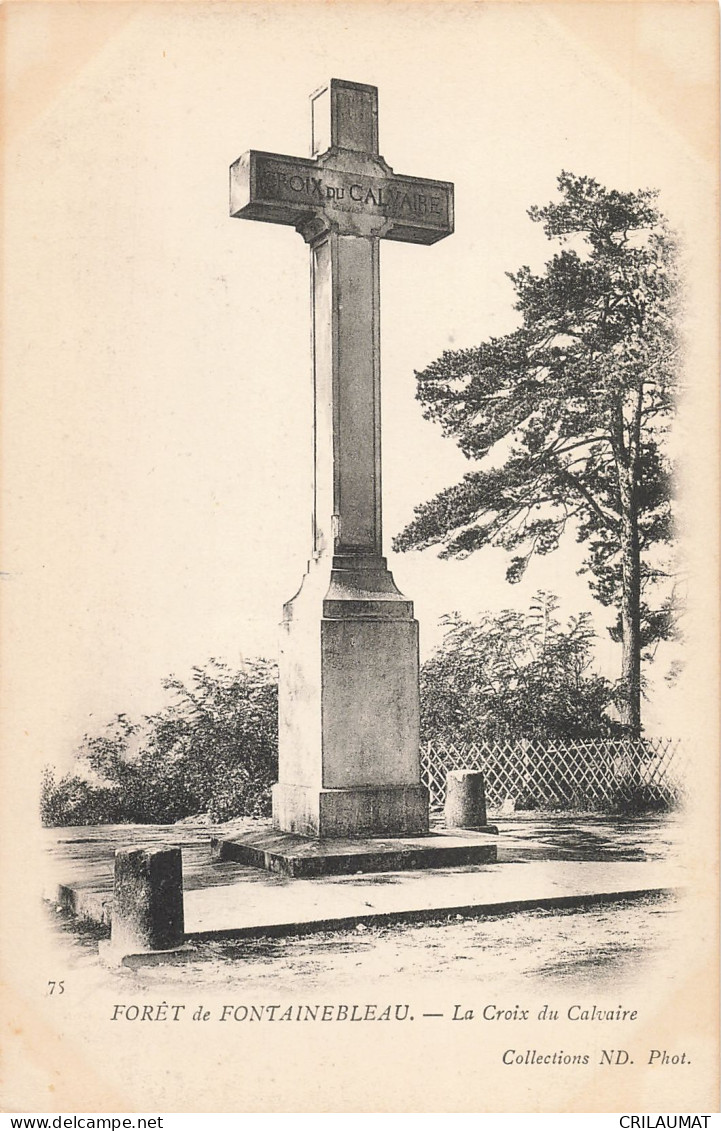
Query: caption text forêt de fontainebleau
x,y
591,1019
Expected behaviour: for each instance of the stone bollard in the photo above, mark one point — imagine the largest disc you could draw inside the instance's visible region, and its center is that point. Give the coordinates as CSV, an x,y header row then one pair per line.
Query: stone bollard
x,y
147,903
466,801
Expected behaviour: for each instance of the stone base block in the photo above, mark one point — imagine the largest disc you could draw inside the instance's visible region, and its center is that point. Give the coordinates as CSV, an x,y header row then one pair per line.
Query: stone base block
x,y
302,857
388,811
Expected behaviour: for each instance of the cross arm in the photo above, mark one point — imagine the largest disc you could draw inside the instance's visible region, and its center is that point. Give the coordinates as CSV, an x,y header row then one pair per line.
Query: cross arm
x,y
260,188
291,190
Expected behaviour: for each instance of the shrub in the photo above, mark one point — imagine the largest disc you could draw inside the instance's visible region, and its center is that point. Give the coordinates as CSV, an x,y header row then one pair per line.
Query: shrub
x,y
212,750
72,800
512,675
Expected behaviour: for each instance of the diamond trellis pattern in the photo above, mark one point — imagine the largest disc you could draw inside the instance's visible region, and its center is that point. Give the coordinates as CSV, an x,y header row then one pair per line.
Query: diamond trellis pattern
x,y
595,773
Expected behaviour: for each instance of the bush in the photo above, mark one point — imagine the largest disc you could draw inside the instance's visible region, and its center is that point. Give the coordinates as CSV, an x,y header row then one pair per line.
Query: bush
x,y
512,676
644,799
213,750
72,800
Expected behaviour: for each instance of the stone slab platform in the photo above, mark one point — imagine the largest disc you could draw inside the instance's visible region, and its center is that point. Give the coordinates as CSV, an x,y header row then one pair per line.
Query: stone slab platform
x,y
243,901
287,907
545,861
305,857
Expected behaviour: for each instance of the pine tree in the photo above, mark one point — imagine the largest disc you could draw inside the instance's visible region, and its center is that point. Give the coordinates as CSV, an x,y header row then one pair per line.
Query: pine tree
x,y
573,408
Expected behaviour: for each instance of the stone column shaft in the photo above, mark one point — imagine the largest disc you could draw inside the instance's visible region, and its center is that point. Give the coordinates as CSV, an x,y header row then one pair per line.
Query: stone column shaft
x,y
346,394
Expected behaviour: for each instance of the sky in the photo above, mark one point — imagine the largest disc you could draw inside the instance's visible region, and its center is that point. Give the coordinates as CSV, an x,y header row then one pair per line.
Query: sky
x,y
156,389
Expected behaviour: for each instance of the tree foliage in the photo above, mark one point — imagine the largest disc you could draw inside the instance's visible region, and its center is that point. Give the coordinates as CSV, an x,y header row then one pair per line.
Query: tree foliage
x,y
567,415
213,750
515,675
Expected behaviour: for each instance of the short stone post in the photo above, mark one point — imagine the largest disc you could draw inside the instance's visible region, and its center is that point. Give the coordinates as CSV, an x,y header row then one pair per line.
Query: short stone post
x,y
465,806
147,902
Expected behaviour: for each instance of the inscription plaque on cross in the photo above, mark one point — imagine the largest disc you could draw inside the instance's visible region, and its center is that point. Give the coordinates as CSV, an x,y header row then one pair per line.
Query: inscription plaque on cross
x,y
348,693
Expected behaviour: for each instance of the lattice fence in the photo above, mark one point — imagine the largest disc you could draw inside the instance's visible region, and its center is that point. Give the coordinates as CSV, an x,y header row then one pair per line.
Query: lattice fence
x,y
585,774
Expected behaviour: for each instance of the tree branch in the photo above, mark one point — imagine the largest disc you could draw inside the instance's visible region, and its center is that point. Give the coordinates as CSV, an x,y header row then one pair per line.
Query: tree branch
x,y
609,521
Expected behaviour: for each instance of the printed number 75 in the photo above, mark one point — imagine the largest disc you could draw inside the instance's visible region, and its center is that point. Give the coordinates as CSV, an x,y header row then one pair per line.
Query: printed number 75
x,y
56,988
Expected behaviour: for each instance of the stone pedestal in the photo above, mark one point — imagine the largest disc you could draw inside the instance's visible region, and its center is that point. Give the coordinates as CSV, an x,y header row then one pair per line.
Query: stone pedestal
x,y
349,712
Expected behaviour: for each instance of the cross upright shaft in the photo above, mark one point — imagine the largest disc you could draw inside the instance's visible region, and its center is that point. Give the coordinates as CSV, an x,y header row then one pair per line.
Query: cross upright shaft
x,y
348,695
346,350
343,201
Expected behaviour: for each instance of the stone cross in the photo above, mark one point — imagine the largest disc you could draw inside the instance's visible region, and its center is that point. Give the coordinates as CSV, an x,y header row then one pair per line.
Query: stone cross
x,y
348,695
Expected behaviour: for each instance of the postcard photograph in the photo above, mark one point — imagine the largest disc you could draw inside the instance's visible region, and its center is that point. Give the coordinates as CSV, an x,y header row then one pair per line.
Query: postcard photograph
x,y
360,557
